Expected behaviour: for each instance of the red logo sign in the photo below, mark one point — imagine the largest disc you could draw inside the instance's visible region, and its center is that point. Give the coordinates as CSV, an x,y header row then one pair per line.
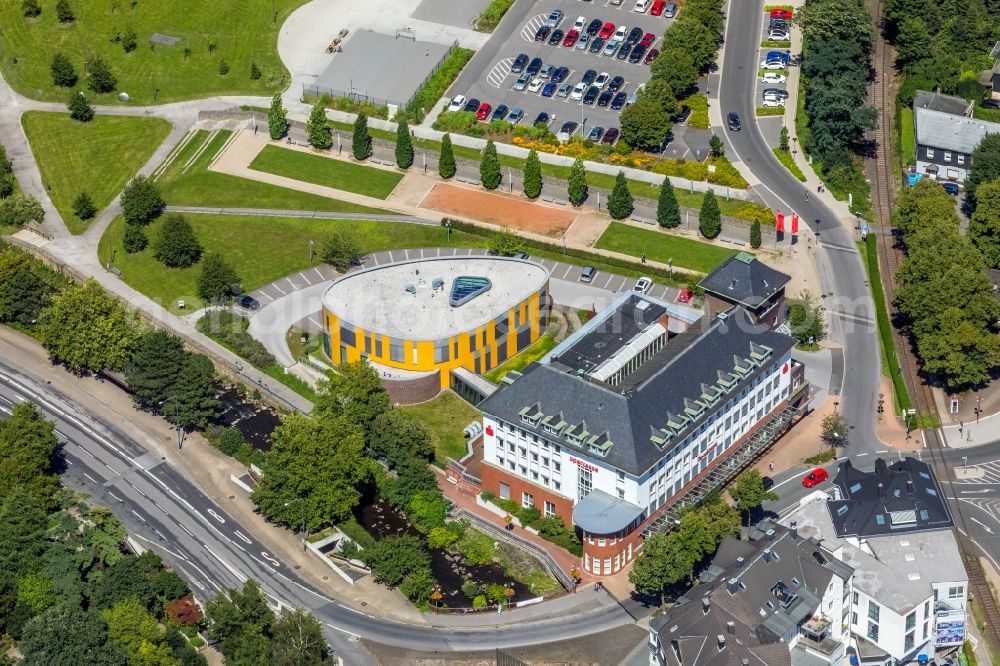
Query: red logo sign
x,y
784,369
585,465
489,430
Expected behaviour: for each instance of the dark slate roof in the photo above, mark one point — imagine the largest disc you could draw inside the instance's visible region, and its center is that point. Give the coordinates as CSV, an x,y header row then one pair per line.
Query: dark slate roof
x,y
664,385
627,321
956,106
753,573
892,499
744,279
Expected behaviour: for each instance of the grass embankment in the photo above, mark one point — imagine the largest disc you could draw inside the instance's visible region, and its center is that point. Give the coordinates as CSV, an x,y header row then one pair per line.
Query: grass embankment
x,y
542,346
661,247
236,32
327,171
445,417
96,157
786,159
194,185
907,137
261,249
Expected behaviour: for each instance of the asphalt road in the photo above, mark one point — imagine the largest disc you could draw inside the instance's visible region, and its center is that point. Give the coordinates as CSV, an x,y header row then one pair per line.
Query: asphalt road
x,y
211,550
849,307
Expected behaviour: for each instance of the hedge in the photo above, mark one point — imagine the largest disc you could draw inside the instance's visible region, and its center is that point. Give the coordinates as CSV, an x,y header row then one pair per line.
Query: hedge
x,y
432,90
870,255
770,110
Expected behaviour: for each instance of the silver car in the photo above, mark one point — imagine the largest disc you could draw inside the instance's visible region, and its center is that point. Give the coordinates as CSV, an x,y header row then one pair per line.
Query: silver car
x,y
522,81
612,46
583,42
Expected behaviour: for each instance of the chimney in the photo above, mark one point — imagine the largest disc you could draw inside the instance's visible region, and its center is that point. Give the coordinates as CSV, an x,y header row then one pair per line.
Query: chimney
x,y
706,605
721,640
769,534
732,585
739,561
881,490
768,554
731,628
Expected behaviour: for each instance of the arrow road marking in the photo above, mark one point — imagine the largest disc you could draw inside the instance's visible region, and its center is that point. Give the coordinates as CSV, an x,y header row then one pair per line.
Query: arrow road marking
x,y
242,537
973,518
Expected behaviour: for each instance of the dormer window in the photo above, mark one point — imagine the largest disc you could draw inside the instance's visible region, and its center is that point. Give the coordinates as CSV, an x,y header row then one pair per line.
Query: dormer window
x,y
532,414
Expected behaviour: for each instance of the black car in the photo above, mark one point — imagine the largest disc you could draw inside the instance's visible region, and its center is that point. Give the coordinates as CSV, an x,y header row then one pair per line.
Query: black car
x,y
624,51
591,94
619,101
734,121
615,84
542,118
559,75
520,62
991,104
610,136
533,66
247,302
588,77
471,104
605,98
634,35
556,37
638,53
543,33
500,112
596,46
594,27
767,482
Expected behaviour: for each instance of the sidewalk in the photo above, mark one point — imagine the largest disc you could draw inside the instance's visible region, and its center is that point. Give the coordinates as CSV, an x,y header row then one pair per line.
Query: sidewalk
x,y
973,433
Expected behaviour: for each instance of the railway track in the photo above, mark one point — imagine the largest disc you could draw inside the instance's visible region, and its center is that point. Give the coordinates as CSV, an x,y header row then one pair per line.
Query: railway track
x,y
884,179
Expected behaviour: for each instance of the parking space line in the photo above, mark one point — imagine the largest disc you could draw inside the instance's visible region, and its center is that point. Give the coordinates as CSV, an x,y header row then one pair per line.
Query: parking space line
x,y
531,27
279,289
499,72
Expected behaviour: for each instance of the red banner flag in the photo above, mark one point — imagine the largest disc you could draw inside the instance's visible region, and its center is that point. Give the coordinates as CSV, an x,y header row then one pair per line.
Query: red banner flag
x,y
795,223
780,222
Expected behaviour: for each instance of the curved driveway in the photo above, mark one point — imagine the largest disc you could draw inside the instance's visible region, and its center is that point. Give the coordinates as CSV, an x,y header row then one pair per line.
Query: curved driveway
x,y
849,307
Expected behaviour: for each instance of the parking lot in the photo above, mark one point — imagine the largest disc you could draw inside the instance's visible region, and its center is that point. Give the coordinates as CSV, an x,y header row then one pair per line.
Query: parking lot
x,y
770,126
488,77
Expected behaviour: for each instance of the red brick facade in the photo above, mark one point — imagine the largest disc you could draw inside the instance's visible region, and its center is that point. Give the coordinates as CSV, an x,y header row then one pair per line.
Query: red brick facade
x,y
412,391
493,476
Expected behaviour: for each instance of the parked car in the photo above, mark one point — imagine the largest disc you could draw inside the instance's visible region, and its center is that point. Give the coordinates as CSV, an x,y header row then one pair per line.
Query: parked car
x,y
566,131
579,24
621,32
457,103
611,47
773,77
624,51
766,482
685,296
607,30
554,18
610,136
588,77
542,33
522,81
520,255
594,27
570,39
578,91
564,89
605,98
483,112
779,24
533,66
657,8
990,104
596,45
546,71
779,93
634,35
602,80
772,64
648,39
556,37
500,112
247,302
670,11
780,13
516,115
559,75
588,274
549,89
641,6
815,477
951,188
619,101
536,84
779,36
770,102
734,121
595,134
520,62
778,55
471,104
591,95
542,119
616,83
638,53
643,285
583,43
651,55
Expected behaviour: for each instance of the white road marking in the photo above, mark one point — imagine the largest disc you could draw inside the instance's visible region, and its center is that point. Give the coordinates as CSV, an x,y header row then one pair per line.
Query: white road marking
x,y
500,71
138,515
345,631
531,27
985,527
233,570
242,536
219,518
92,479
267,556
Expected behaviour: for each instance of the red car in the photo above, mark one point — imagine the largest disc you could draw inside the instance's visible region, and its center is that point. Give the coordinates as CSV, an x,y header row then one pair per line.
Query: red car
x,y
657,8
780,13
650,57
648,39
607,30
815,477
685,296
484,111
571,38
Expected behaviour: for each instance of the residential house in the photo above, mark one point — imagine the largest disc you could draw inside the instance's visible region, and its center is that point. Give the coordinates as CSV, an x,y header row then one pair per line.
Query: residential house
x,y
744,280
946,135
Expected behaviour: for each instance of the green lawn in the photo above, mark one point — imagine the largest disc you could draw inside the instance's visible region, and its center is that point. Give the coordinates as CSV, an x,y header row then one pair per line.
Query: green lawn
x,y
788,162
659,246
445,417
261,249
908,138
200,187
240,32
525,357
98,157
327,171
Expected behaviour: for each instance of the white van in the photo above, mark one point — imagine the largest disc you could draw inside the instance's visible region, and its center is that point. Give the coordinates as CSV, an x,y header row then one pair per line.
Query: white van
x,y
641,5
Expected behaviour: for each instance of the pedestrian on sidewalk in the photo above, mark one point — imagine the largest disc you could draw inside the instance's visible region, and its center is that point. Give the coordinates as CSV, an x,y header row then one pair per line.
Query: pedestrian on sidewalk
x,y
770,466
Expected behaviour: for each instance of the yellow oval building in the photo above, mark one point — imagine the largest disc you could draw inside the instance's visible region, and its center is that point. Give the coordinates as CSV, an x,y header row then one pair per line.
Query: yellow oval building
x,y
435,315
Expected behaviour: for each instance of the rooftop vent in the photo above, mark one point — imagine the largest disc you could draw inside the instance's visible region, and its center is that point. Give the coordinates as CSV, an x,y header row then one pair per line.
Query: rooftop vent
x,y
732,585
438,283
411,289
721,640
706,604
731,628
733,283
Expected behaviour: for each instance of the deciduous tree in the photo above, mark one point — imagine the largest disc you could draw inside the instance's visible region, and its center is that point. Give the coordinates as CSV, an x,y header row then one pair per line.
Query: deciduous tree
x,y
959,351
236,617
65,635
134,239
749,493
141,201
28,448
392,558
835,428
193,393
216,279
397,437
505,243
620,203
404,146
298,640
489,166
984,226
153,368
177,246
19,209
22,530
342,251
354,390
446,160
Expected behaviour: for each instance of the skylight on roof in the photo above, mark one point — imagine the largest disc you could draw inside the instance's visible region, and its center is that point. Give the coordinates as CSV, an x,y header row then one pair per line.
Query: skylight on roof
x,y
855,488
931,491
925,475
880,519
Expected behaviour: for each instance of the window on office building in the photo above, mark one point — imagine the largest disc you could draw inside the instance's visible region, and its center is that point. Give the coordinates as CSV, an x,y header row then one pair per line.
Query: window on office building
x,y
527,499
926,629
854,618
956,592
911,621
607,565
909,641
504,491
550,508
584,483
873,632
873,610
927,609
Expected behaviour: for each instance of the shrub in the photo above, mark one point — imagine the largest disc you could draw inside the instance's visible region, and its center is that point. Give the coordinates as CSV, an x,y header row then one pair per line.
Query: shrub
x,y
550,526
470,589
427,96
230,330
183,611
342,251
417,586
479,601
64,12
30,8
496,593
475,547
441,537
134,240
255,72
223,67
83,207
755,239
317,129
231,441
529,515
455,121
130,40
755,212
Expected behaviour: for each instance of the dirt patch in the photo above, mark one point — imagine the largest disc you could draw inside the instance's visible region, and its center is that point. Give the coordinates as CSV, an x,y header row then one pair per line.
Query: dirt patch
x,y
499,209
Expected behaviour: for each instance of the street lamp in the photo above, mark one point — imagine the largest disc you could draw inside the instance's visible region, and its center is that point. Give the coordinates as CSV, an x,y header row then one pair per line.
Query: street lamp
x,y
670,265
302,501
311,242
177,419
447,225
